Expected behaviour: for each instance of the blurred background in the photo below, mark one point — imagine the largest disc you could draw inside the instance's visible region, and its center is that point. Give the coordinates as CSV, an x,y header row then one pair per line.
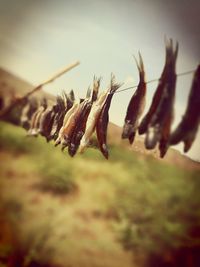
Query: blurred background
x,y
132,210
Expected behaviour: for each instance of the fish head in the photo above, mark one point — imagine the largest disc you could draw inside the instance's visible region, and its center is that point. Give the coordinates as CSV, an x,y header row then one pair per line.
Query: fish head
x,y
72,149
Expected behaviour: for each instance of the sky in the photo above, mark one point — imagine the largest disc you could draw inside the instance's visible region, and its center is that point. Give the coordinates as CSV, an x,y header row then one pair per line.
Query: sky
x,y
37,38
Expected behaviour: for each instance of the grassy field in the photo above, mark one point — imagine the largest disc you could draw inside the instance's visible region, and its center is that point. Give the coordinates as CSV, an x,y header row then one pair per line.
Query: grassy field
x,y
86,211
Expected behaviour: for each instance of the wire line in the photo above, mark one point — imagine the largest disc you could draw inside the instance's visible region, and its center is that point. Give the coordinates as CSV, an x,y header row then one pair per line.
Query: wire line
x,y
154,80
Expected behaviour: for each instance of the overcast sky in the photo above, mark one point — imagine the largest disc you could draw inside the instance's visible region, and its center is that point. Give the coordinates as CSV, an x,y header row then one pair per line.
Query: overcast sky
x,y
39,37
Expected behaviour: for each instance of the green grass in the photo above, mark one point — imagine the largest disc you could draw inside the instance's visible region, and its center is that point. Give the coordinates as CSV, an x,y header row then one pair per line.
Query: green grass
x,y
157,208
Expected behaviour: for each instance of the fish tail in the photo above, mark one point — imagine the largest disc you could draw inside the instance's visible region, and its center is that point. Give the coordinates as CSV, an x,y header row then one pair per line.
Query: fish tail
x,y
140,64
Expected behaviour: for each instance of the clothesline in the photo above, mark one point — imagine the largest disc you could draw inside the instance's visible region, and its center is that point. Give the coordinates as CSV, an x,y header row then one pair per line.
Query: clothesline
x,y
154,80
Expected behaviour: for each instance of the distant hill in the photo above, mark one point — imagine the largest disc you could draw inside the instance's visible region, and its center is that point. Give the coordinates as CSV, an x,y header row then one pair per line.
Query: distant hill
x,y
11,85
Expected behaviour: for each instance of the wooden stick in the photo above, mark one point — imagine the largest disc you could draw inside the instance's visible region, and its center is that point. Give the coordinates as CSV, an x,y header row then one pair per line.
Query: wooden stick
x,y
54,77
37,88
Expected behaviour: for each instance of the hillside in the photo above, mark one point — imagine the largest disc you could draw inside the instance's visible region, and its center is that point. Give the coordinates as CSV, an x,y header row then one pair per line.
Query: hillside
x,y
12,85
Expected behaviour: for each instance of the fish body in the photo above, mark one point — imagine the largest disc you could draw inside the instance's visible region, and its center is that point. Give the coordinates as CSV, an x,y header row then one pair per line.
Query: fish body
x,y
103,119
24,116
66,122
59,117
70,124
46,121
156,98
159,127
27,112
80,126
35,119
92,119
136,106
186,130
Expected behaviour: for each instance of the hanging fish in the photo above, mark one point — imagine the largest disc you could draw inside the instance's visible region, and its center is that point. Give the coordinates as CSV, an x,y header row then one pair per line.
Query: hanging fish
x,y
160,125
27,112
35,120
71,124
80,126
186,130
156,98
66,121
47,120
103,119
92,120
59,117
136,105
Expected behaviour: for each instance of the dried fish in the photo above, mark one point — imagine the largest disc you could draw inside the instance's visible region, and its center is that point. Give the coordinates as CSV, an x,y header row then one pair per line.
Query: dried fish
x,y
186,130
59,117
160,124
103,119
80,126
92,119
35,120
71,124
27,112
156,98
66,121
136,105
47,120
